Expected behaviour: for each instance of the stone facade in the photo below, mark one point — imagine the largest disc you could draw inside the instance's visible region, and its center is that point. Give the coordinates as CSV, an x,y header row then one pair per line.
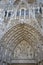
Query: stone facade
x,y
21,32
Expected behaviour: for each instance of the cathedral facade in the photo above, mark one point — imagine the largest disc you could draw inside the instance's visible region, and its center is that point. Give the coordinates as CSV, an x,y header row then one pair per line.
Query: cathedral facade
x,y
21,32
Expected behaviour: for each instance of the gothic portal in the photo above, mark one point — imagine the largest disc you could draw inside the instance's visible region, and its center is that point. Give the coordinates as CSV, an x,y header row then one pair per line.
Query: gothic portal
x,y
21,32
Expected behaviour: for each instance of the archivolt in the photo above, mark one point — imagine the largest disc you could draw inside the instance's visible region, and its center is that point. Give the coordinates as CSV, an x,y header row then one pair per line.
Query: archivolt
x,y
19,33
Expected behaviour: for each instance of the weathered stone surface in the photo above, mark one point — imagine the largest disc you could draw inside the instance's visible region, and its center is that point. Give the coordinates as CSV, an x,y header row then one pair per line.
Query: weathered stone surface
x,y
21,37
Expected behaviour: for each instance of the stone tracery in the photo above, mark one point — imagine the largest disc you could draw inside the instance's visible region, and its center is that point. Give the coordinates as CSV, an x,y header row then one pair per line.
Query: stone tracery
x,y
22,39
